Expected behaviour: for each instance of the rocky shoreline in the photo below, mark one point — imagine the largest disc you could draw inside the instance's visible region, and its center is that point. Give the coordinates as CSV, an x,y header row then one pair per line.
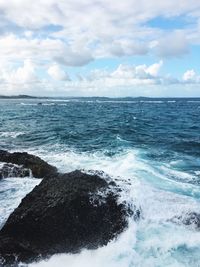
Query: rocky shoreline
x,y
38,167
63,214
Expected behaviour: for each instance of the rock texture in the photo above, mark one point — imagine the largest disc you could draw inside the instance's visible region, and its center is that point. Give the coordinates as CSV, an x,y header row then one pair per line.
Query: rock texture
x,y
39,167
63,214
189,219
12,170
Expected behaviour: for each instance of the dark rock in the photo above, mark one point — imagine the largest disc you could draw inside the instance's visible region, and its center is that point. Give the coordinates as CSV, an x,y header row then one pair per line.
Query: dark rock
x,y
63,214
12,170
39,167
192,218
188,219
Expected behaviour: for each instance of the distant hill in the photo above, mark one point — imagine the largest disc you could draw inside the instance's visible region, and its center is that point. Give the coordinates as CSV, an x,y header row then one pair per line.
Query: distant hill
x,y
99,98
17,97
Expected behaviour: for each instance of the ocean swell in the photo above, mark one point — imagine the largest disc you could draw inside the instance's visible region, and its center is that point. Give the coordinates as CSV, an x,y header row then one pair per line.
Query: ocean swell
x,y
151,150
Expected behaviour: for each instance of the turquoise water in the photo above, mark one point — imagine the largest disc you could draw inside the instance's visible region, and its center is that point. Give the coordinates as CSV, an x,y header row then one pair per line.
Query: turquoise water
x,y
151,146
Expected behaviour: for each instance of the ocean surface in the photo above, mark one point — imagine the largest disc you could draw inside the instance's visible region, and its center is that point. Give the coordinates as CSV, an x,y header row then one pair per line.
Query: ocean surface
x,y
151,146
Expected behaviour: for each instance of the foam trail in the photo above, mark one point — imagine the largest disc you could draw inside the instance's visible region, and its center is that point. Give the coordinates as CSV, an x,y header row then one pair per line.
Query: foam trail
x,y
154,240
12,191
11,134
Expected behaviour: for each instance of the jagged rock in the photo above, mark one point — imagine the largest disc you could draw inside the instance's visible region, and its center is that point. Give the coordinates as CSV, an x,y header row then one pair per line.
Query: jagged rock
x,y
12,170
63,214
189,219
192,218
39,167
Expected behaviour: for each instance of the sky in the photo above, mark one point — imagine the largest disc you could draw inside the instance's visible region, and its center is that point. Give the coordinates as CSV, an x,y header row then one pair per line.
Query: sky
x,y
100,48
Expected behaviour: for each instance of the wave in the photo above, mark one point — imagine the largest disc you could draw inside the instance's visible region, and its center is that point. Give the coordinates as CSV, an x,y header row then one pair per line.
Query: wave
x,y
12,190
57,102
43,104
152,101
11,134
153,241
27,104
156,252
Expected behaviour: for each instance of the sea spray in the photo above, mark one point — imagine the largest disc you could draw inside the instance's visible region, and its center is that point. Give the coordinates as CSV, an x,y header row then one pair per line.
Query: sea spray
x,y
154,158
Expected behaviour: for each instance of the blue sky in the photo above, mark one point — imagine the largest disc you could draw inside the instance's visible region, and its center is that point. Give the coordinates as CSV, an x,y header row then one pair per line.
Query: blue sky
x,y
100,48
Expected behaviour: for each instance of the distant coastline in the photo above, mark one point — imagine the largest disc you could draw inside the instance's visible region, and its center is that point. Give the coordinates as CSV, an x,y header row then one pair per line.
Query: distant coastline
x,y
17,97
129,98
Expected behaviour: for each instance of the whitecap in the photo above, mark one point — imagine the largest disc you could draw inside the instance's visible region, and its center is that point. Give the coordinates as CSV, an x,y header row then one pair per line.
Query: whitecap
x,y
12,190
11,134
155,240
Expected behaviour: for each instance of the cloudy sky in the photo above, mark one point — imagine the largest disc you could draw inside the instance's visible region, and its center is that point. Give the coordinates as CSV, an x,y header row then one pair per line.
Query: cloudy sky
x,y
100,48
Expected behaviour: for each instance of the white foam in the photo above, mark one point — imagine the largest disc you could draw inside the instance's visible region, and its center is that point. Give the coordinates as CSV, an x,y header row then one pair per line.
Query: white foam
x,y
11,134
28,104
152,101
153,241
12,190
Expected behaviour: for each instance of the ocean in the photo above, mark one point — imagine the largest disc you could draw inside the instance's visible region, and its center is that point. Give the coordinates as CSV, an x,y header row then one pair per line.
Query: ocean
x,y
152,146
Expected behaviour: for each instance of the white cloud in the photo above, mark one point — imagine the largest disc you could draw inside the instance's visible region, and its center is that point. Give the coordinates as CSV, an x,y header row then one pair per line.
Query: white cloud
x,y
54,34
154,68
57,73
174,44
128,78
140,73
48,49
125,79
91,29
21,79
190,76
23,74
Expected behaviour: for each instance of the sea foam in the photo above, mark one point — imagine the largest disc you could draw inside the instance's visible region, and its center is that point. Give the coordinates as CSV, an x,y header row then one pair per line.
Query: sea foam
x,y
154,240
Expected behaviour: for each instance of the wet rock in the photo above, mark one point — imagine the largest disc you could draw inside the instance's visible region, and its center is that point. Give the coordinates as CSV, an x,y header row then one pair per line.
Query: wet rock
x,y
192,218
12,170
61,215
39,167
189,219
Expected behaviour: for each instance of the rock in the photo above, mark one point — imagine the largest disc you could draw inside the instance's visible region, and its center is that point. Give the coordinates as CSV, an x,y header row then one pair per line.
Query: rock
x,y
191,218
39,167
61,215
12,170
188,219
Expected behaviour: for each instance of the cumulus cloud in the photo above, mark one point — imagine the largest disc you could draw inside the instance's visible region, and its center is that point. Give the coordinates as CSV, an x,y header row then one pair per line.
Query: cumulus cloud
x,y
23,74
134,78
124,79
18,79
190,76
91,29
154,68
47,49
138,74
56,35
57,73
174,44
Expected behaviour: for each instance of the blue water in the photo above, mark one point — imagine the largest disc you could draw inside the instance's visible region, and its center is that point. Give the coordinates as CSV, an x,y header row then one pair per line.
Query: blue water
x,y
153,145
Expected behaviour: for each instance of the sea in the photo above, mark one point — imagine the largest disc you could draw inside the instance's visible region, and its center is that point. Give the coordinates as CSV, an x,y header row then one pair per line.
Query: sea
x,y
150,146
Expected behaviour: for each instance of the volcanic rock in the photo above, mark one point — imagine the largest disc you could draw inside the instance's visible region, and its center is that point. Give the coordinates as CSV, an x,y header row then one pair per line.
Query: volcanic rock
x,y
39,167
189,219
12,170
63,215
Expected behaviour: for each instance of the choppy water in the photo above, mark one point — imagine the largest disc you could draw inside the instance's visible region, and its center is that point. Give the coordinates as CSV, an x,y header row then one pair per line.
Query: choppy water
x,y
152,144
